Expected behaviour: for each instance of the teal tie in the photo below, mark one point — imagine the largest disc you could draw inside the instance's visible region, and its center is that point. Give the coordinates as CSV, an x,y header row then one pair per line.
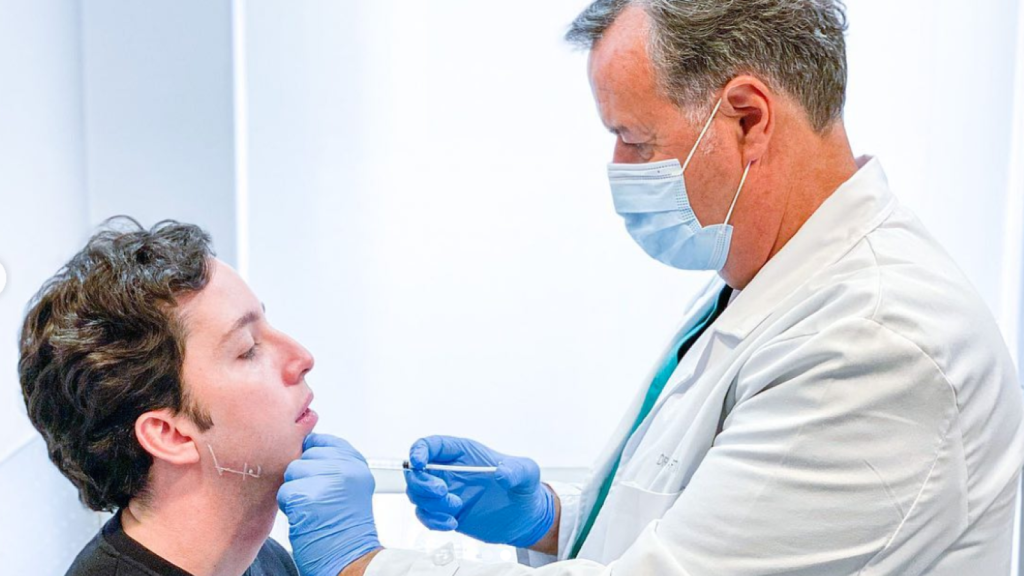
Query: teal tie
x,y
657,386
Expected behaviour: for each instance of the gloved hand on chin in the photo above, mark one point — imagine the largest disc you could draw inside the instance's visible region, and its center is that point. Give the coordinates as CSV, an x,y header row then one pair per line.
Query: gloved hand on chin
x,y
327,496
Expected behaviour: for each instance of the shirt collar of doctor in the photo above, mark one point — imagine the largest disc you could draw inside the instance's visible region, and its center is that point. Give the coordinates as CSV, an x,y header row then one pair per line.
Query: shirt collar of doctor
x,y
856,208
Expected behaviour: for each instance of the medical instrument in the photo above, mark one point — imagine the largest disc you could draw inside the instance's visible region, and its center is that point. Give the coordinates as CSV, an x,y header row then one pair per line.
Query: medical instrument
x,y
405,465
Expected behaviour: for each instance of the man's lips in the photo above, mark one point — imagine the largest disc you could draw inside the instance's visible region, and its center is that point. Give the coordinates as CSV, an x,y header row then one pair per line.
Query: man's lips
x,y
305,407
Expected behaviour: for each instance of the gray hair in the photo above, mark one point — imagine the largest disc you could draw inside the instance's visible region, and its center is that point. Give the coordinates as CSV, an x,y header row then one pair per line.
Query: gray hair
x,y
698,46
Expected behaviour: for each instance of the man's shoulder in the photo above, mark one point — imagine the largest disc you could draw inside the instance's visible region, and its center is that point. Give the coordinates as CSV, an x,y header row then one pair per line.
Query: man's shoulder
x,y
100,558
95,558
273,560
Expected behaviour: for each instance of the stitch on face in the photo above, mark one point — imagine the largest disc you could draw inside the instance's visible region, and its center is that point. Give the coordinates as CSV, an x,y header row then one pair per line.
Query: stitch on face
x,y
246,471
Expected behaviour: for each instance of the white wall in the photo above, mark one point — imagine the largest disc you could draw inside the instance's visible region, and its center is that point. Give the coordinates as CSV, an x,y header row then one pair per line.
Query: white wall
x,y
42,221
42,167
1013,241
431,178
157,101
106,111
931,93
435,184
1013,252
105,108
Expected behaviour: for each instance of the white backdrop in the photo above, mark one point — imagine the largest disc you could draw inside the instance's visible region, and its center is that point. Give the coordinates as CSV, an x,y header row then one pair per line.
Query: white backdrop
x,y
42,189
417,192
931,92
434,189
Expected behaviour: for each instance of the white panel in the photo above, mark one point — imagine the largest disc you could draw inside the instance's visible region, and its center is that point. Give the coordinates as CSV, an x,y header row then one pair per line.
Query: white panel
x,y
42,200
42,223
431,217
1013,245
44,525
158,113
1013,277
434,188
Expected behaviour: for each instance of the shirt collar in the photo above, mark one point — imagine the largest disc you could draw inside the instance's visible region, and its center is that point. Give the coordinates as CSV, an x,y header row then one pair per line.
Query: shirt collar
x,y
857,207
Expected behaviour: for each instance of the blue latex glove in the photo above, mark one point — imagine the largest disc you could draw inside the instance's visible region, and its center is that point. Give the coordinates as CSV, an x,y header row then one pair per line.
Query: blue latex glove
x,y
510,506
327,497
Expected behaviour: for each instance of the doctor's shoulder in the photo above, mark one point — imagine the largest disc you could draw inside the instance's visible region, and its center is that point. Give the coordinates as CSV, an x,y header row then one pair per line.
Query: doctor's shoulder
x,y
896,324
898,277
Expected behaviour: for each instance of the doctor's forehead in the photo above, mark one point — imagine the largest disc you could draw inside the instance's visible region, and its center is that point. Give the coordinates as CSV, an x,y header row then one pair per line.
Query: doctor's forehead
x,y
622,79
621,53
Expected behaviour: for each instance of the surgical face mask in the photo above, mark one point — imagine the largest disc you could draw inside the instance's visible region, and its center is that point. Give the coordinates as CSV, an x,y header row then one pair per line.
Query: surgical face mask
x,y
652,199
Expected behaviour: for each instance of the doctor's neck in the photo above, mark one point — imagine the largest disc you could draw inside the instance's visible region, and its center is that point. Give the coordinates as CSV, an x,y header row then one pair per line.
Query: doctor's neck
x,y
203,523
800,171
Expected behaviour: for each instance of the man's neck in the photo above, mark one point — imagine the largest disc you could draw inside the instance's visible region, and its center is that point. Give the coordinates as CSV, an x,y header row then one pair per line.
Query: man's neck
x,y
204,532
806,174
815,176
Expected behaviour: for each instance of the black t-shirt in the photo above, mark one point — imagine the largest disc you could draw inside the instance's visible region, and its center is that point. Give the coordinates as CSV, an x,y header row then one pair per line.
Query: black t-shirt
x,y
114,553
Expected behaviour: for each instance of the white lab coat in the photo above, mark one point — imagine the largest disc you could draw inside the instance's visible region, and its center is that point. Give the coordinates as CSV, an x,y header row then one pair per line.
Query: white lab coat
x,y
853,411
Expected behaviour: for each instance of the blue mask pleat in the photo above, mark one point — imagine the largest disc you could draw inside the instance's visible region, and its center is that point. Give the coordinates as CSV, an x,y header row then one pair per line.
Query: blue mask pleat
x,y
652,200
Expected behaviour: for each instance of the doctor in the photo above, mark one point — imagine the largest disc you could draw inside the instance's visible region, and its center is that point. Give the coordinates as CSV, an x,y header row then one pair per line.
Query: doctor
x,y
838,401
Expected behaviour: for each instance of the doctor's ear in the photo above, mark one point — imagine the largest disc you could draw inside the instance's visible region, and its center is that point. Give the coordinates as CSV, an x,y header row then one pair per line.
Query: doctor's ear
x,y
751,106
167,436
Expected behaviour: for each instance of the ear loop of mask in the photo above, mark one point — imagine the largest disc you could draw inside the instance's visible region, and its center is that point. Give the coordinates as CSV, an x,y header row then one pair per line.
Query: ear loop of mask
x,y
743,180
723,230
707,126
738,190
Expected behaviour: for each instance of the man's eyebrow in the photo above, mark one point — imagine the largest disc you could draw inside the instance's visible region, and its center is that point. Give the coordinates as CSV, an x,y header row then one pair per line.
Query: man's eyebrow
x,y
246,319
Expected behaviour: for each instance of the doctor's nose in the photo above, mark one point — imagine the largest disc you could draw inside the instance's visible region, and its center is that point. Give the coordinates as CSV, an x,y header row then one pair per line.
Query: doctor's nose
x,y
623,154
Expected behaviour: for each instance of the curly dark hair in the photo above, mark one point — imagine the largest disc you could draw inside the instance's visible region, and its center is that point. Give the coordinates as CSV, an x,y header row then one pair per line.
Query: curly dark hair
x,y
101,345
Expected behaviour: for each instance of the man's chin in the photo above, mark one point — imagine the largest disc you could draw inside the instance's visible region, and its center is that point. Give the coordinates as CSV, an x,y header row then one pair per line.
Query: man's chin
x,y
297,451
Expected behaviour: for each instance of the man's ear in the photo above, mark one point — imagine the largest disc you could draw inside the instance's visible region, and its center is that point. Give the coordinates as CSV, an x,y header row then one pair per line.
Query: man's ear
x,y
167,437
751,104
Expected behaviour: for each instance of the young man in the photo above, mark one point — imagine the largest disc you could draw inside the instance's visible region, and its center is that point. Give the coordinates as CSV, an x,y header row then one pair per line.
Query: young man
x,y
164,395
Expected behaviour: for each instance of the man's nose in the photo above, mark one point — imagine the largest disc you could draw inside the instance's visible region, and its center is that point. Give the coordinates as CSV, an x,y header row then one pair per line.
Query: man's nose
x,y
624,153
299,363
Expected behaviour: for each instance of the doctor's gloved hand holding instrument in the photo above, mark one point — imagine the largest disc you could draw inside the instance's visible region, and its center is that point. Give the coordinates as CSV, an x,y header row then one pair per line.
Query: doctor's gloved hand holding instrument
x,y
327,497
509,506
